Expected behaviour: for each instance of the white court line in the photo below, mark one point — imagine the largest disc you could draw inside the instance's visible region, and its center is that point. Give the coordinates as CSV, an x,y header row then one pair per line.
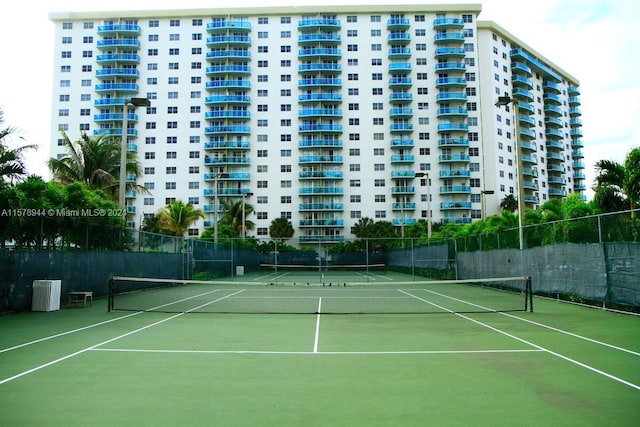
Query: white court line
x,y
93,347
317,336
336,353
561,356
635,353
96,324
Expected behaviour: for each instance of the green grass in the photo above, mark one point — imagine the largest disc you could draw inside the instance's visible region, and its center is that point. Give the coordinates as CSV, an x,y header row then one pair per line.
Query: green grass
x,y
491,369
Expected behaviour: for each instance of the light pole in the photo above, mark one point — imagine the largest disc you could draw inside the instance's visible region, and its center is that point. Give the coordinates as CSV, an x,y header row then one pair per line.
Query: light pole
x,y
483,203
216,175
124,147
244,229
506,100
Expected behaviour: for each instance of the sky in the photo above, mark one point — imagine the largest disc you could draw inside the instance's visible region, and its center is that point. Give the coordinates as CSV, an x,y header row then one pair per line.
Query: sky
x,y
594,41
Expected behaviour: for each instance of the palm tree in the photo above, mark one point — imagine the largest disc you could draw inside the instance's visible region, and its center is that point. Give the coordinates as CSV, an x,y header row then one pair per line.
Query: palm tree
x,y
509,203
617,186
95,162
177,217
232,215
281,229
12,166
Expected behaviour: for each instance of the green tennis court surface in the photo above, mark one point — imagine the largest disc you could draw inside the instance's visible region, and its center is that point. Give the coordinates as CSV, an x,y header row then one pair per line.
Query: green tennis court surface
x,y
561,365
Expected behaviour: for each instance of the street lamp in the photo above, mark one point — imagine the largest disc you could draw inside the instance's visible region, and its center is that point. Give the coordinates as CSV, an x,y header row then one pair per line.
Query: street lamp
x,y
124,147
244,230
483,202
216,175
416,175
506,100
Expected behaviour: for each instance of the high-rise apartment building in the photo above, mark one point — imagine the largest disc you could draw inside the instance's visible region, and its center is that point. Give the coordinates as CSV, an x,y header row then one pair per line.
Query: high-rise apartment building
x,y
321,115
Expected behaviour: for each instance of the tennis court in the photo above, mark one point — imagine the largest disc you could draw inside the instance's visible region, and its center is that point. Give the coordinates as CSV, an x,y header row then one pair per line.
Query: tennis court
x,y
377,352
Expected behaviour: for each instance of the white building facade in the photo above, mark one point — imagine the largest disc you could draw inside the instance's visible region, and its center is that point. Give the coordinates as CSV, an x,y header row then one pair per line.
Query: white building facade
x,y
321,115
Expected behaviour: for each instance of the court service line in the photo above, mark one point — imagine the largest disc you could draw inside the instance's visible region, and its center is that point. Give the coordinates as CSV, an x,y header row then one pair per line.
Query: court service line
x,y
68,356
582,337
333,353
317,336
522,340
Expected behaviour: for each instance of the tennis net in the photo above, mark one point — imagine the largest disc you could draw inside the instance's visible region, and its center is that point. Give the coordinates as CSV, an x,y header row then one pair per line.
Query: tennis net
x,y
401,297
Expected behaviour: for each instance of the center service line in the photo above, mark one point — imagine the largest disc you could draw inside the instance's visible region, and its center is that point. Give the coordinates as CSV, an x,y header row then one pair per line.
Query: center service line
x,y
315,342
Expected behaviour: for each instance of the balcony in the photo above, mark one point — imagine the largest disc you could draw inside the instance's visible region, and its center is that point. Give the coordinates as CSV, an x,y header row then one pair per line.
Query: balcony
x,y
445,67
115,117
326,207
450,52
444,82
455,189
398,97
455,173
320,97
319,24
452,37
227,145
228,84
400,112
401,127
235,25
227,114
320,175
453,142
451,96
110,30
319,191
228,40
453,158
402,158
333,222
322,82
399,38
315,238
453,127
319,52
320,112
400,67
320,143
399,190
401,142
330,159
231,54
449,112
320,128
400,82
115,58
319,38
320,67
227,129
215,70
111,73
399,53
447,23
227,160
398,24
407,206
455,205
112,44
227,99
232,176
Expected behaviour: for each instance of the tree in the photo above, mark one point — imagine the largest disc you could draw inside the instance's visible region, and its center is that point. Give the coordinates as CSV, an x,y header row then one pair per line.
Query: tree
x,y
177,217
509,203
617,186
96,163
12,167
363,228
281,229
233,216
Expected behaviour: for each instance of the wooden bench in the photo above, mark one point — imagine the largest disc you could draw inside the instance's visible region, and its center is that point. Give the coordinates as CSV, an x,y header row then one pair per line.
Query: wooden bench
x,y
76,297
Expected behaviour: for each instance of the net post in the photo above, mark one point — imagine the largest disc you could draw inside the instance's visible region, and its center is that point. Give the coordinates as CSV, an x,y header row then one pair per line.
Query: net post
x,y
110,295
528,302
